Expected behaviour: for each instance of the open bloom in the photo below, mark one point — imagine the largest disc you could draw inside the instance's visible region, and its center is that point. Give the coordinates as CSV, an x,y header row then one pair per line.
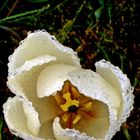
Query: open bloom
x,y
57,99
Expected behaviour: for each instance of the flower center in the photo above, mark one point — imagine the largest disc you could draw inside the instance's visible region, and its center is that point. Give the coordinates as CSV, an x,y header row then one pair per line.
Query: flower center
x,y
74,105
73,108
70,105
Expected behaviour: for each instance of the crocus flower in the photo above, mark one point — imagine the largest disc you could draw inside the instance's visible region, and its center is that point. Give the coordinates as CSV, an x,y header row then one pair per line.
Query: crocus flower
x,y
55,98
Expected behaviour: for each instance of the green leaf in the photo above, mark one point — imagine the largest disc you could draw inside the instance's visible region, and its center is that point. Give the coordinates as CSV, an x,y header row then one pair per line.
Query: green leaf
x,y
126,133
109,9
98,13
63,33
37,1
101,2
1,125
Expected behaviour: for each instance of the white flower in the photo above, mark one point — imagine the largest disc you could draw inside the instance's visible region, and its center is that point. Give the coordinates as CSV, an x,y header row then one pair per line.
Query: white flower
x,y
57,99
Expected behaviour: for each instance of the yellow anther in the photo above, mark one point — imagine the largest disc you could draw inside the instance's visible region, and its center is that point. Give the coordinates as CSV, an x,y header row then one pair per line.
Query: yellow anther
x,y
65,117
69,102
87,106
77,118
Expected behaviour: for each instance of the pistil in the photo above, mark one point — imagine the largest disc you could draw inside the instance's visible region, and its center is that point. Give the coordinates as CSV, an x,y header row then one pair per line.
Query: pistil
x,y
70,104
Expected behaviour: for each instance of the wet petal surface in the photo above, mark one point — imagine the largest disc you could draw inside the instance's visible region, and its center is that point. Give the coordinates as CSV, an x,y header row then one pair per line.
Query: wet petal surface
x,y
21,117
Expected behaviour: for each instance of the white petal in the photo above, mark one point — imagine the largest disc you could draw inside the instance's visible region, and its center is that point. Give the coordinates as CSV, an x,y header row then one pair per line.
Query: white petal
x,y
120,81
52,79
33,123
98,124
24,81
68,134
91,85
88,83
38,61
24,84
18,113
37,44
48,110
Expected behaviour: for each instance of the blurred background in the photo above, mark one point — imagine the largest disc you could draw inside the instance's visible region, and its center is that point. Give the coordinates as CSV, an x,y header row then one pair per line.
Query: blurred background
x,y
95,29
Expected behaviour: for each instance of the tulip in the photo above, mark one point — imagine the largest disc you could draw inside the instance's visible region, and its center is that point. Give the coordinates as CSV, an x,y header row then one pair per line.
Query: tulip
x,y
56,99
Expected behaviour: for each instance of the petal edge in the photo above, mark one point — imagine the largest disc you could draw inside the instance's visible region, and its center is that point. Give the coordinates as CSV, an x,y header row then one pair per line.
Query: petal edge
x,y
68,134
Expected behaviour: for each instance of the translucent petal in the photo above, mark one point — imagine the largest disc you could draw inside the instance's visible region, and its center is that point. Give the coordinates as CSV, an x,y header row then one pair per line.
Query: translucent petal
x,y
16,113
52,78
93,85
38,44
47,113
118,80
68,134
95,124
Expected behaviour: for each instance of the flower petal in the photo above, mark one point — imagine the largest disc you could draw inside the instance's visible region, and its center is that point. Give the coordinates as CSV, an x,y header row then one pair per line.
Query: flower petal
x,y
120,81
24,81
21,118
38,61
95,123
48,110
91,84
38,44
68,134
24,84
52,78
